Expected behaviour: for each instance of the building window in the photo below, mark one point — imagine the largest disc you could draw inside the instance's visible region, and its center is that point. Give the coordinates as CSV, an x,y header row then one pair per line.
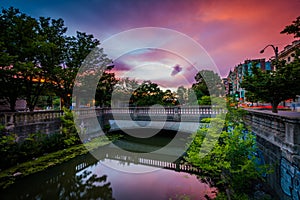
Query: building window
x,y
289,59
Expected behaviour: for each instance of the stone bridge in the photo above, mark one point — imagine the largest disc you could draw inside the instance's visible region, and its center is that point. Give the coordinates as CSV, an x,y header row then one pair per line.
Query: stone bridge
x,y
184,118
24,123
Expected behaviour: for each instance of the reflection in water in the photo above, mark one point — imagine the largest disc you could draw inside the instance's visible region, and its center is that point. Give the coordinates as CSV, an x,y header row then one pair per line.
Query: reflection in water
x,y
62,182
85,177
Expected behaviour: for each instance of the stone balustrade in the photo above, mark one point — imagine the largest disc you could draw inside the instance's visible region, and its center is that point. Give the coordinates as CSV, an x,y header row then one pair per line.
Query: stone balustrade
x,y
24,123
183,110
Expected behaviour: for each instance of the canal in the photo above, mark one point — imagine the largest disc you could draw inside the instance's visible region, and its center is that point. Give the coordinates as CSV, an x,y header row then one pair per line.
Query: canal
x,y
127,169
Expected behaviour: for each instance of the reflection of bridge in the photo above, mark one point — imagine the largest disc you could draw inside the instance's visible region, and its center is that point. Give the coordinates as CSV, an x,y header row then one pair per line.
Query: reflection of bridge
x,y
62,180
166,161
126,157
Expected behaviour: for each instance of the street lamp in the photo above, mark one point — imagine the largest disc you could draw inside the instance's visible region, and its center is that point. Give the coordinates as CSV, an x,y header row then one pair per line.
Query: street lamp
x,y
275,51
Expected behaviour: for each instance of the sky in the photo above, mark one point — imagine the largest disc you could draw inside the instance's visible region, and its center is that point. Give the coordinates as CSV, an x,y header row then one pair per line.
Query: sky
x,y
229,32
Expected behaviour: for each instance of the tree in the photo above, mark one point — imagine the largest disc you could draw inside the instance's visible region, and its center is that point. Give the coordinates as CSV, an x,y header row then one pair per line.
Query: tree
x,y
231,162
123,91
207,82
105,88
77,48
169,98
274,86
205,100
279,85
293,28
182,95
37,56
18,36
147,94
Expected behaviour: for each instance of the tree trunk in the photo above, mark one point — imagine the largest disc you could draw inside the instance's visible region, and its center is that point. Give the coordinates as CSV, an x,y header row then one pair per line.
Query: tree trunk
x,y
12,104
274,107
31,107
66,101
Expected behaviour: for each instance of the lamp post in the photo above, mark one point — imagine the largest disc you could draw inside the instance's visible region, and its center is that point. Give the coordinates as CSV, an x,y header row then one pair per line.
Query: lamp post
x,y
274,48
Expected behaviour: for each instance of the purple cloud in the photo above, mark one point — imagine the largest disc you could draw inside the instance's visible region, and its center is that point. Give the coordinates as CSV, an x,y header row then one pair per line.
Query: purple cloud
x,y
176,70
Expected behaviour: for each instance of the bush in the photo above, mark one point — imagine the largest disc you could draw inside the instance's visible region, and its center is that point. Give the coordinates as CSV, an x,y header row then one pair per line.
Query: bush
x,y
230,162
36,144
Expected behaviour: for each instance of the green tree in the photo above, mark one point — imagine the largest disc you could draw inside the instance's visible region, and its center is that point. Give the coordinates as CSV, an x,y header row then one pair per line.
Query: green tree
x,y
123,91
207,81
231,162
105,88
77,48
205,100
147,94
38,56
274,86
18,42
182,95
169,98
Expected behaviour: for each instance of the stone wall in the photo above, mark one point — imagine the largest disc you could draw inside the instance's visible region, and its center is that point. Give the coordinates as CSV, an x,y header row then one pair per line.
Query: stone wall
x,y
24,123
278,138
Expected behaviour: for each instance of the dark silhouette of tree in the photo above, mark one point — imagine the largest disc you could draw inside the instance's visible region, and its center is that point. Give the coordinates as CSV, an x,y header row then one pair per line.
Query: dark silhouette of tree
x,y
37,57
105,88
147,94
294,28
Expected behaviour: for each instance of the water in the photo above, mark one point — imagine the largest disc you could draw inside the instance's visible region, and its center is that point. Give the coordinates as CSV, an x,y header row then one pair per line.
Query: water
x,y
118,174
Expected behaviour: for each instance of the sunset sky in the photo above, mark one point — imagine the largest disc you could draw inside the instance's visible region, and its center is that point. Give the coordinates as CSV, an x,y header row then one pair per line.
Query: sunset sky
x,y
229,31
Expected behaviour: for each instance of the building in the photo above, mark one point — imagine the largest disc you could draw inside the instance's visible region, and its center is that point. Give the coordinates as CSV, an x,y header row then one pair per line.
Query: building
x,y
289,52
236,75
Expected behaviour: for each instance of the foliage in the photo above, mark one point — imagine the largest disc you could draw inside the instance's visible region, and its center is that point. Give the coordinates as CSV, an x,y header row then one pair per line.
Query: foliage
x,y
182,95
37,57
169,98
105,88
208,83
69,131
205,100
294,28
274,86
230,161
14,149
147,94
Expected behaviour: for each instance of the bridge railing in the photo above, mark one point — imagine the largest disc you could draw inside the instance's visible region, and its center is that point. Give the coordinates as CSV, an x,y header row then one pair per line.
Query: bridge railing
x,y
23,118
179,110
19,119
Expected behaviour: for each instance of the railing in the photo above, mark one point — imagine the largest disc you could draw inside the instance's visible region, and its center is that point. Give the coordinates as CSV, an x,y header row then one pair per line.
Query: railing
x,y
24,118
183,110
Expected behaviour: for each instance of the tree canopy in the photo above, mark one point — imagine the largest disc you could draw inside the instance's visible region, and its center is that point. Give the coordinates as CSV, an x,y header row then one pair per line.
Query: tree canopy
x,y
274,86
37,56
208,83
281,84
293,28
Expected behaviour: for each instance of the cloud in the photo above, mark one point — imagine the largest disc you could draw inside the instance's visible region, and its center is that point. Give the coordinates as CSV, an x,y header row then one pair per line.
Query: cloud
x,y
230,31
176,70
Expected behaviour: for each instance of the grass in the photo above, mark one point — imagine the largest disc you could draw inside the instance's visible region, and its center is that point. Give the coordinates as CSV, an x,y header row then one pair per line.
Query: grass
x,y
10,175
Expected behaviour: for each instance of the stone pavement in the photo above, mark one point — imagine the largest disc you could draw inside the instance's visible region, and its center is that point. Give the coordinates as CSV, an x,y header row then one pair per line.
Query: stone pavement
x,y
289,114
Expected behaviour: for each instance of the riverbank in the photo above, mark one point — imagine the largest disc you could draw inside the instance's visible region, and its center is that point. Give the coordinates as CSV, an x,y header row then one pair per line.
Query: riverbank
x,y
12,174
